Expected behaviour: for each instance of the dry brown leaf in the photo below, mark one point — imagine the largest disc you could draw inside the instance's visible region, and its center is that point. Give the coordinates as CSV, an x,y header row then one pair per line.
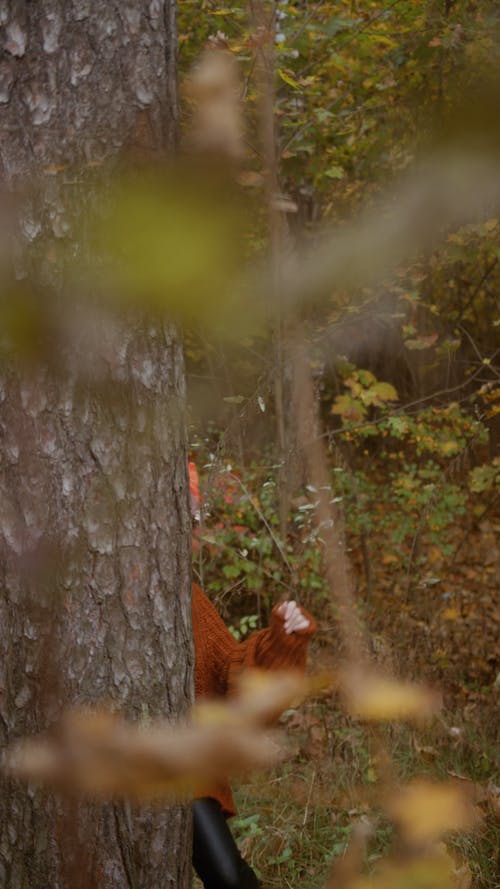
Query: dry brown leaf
x,y
425,751
262,695
98,754
425,810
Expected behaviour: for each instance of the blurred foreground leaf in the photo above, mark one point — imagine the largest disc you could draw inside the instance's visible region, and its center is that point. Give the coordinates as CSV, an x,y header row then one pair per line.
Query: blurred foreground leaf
x,y
262,697
425,810
453,188
24,321
434,870
375,697
174,242
97,753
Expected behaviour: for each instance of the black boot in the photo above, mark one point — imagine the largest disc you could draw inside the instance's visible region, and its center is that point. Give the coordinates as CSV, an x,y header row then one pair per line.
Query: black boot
x,y
216,857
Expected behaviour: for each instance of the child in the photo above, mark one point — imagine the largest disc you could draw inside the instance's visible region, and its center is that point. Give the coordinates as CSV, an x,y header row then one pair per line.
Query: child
x,y
219,658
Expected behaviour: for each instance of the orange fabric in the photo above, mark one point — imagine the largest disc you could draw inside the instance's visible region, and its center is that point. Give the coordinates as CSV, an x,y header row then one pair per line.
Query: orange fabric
x,y
194,481
219,658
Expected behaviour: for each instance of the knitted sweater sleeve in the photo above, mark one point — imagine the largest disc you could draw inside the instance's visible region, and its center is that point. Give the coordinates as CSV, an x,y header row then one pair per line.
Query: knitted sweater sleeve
x,y
270,649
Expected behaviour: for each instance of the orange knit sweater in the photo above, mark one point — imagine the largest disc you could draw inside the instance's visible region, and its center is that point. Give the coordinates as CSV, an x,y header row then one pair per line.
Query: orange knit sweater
x,y
219,658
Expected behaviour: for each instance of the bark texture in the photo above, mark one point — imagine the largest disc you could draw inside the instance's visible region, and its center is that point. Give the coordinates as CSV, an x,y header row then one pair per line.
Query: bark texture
x,y
94,521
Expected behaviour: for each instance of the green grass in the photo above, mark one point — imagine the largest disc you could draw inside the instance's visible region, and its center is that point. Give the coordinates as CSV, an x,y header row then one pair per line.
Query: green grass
x,y
293,822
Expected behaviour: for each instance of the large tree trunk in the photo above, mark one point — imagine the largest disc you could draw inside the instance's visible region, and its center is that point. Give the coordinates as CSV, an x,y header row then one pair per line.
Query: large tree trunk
x,y
94,522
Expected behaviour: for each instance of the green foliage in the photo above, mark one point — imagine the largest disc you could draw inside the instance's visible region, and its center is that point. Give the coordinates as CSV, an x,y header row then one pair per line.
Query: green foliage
x,y
284,851
486,477
417,457
241,548
355,86
403,484
248,623
365,392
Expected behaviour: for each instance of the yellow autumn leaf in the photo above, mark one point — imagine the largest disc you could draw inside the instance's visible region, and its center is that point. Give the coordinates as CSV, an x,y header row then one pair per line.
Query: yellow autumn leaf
x,y
288,79
449,447
261,697
425,810
384,392
434,870
490,225
381,39
434,555
374,697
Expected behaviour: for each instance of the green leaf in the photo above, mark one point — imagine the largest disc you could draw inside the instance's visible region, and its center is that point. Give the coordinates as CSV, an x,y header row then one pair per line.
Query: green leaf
x,y
231,571
173,243
337,24
335,172
350,409
398,426
366,377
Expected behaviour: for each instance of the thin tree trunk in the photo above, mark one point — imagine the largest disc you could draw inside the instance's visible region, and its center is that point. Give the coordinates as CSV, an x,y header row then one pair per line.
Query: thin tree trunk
x,y
94,520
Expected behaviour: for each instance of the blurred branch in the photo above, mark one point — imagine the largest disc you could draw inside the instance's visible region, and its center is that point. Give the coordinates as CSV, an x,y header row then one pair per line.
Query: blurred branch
x,y
450,190
328,516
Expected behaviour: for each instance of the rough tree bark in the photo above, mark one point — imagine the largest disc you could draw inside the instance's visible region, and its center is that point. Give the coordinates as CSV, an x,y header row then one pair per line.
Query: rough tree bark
x,y
94,523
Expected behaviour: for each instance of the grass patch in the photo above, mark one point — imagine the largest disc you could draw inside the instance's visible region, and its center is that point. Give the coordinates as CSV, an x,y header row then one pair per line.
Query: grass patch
x,y
293,822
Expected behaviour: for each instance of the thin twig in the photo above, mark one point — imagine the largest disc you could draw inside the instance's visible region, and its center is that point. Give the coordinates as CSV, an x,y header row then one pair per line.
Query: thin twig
x,y
277,542
484,361
306,810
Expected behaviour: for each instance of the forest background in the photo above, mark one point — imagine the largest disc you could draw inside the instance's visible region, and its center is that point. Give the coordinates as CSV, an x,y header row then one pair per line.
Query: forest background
x,y
404,368
327,235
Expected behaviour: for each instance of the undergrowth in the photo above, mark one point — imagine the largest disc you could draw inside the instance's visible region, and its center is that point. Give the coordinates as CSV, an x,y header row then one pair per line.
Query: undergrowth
x,y
292,823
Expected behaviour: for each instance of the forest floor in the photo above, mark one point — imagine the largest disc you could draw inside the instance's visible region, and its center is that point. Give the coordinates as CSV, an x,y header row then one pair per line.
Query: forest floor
x,y
293,822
